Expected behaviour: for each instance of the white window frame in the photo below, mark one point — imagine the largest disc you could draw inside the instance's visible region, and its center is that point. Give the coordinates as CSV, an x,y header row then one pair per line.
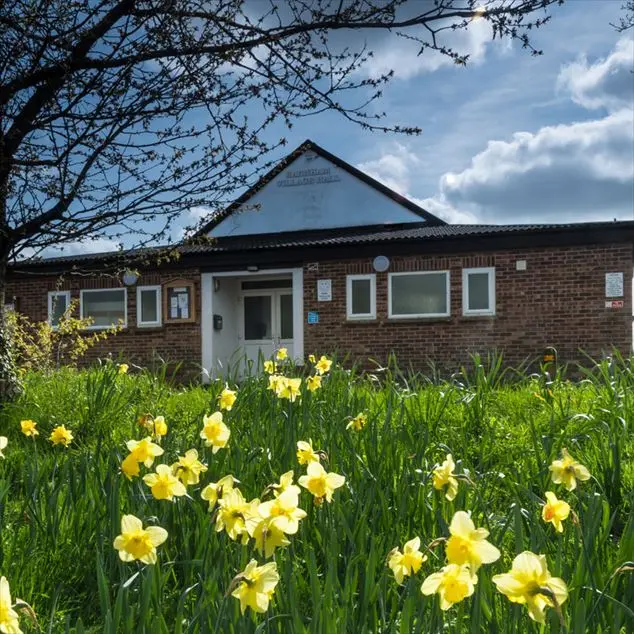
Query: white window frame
x,y
391,315
361,316
51,296
99,290
490,270
159,300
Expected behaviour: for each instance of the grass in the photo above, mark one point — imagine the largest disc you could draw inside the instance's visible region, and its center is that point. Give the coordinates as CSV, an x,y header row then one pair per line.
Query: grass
x,y
60,509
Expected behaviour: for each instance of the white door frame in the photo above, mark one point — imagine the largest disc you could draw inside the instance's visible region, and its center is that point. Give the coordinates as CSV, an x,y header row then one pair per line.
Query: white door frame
x,y
207,311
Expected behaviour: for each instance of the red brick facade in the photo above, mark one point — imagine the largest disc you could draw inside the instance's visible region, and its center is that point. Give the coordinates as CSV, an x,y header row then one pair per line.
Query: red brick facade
x,y
559,300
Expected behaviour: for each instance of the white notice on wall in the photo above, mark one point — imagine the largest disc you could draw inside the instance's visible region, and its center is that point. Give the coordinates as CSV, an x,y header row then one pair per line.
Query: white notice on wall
x,y
174,308
324,290
614,284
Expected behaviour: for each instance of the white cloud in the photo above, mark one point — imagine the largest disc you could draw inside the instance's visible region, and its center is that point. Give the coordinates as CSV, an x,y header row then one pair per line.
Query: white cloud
x,y
98,245
608,83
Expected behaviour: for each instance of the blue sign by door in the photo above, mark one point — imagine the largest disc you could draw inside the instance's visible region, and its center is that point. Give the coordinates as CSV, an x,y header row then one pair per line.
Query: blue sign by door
x,y
313,317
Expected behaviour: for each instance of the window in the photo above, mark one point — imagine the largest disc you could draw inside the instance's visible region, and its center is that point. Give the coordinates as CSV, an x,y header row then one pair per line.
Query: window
x,y
58,302
478,291
148,305
106,307
361,296
421,294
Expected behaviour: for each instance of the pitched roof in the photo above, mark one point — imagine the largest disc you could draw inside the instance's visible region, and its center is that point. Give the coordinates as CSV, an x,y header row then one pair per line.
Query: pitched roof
x,y
306,146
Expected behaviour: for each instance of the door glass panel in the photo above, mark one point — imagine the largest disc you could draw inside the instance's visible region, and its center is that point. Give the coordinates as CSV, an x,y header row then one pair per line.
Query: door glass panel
x,y
257,317
258,285
361,297
286,316
478,291
149,306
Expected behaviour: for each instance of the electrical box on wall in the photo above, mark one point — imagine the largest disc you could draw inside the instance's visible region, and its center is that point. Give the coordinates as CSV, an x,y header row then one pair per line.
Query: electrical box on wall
x,y
217,322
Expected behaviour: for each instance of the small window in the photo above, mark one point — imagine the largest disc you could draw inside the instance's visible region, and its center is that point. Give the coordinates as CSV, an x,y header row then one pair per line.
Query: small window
x,y
361,296
106,307
478,291
58,303
421,294
148,305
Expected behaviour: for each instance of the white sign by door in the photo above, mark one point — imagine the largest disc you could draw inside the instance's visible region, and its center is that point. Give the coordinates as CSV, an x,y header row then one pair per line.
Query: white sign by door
x,y
614,284
324,290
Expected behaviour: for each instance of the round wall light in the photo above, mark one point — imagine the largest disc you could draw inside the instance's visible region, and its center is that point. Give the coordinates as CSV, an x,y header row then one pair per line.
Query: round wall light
x,y
381,263
130,278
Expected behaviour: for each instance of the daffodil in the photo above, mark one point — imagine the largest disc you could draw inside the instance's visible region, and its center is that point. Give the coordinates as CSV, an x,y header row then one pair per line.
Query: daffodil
x,y
227,398
529,582
123,368
358,422
4,441
256,585
188,468
215,433
444,477
270,367
305,453
144,450
136,542
29,428
276,382
215,490
159,427
9,619
313,383
321,484
268,536
281,354
286,483
237,516
285,507
290,389
407,562
146,421
567,471
311,359
130,466
61,436
468,545
453,583
555,511
163,484
323,365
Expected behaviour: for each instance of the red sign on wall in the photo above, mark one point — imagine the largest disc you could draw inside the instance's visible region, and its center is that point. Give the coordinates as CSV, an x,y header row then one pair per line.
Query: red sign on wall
x,y
614,303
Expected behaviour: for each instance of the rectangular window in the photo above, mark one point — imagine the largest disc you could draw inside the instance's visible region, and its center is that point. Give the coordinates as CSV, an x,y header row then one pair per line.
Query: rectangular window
x,y
58,302
148,305
421,294
361,296
106,307
478,291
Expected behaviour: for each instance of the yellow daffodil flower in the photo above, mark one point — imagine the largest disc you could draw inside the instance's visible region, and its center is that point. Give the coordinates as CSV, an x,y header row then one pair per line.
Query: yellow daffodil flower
x,y
276,382
323,365
61,436
256,586
159,427
311,359
29,428
215,490
270,367
305,453
468,545
281,354
215,433
123,368
290,389
137,543
407,562
268,536
567,471
529,582
4,441
444,477
227,398
130,466
555,511
285,508
237,516
286,482
163,484
313,383
321,484
358,422
9,619
144,450
188,468
452,584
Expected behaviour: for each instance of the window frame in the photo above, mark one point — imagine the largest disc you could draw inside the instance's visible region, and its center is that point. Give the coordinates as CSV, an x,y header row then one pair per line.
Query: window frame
x,y
84,291
474,312
159,307
350,316
391,276
51,295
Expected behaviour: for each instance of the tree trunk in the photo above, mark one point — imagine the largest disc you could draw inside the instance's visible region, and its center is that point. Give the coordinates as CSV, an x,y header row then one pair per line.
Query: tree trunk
x,y
9,382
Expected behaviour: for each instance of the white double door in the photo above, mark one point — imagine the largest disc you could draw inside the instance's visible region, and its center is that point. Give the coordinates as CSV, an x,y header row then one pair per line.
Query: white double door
x,y
266,323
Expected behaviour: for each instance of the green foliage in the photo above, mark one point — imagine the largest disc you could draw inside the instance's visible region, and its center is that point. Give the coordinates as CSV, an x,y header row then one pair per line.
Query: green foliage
x,y
60,509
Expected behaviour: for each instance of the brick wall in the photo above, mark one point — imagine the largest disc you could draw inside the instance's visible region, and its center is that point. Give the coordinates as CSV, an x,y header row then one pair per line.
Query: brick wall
x,y
172,342
559,300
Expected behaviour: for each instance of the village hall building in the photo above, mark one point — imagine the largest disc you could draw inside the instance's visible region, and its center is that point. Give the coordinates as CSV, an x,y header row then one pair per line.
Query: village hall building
x,y
319,257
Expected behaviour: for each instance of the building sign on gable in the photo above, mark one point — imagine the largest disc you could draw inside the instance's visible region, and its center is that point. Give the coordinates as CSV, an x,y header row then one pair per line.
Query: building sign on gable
x,y
316,176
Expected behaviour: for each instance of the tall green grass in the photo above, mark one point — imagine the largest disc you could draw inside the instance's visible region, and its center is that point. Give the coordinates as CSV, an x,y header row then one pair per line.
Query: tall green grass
x,y
60,509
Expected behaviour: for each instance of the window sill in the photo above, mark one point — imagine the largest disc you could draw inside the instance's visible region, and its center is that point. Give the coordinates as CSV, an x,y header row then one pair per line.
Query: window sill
x,y
447,319
483,316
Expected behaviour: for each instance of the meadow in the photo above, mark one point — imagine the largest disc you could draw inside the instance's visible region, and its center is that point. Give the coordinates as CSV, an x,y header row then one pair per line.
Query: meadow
x,y
386,435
